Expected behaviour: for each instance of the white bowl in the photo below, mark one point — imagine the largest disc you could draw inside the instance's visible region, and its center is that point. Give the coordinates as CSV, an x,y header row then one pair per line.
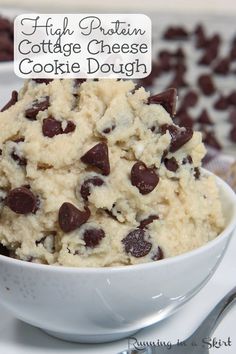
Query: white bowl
x,y
95,305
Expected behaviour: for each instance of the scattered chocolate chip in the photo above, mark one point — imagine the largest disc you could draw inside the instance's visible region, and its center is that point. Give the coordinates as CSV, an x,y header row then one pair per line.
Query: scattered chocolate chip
x,y
179,137
232,117
71,218
98,156
158,255
145,222
179,53
167,99
208,56
197,173
187,159
190,99
108,130
135,244
206,84
22,201
178,80
6,39
221,103
211,140
175,33
85,188
13,100
199,30
232,134
70,127
171,164
204,118
37,106
4,251
19,159
165,153
92,237
222,66
144,178
233,52
232,98
43,81
78,82
51,127
183,119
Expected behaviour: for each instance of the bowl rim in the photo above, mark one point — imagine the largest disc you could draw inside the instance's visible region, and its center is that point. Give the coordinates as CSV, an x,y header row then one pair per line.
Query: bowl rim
x,y
222,185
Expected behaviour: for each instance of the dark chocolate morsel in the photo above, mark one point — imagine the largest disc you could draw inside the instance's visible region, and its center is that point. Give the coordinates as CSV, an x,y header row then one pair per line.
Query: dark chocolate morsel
x,y
71,218
171,164
135,243
167,99
158,254
145,222
98,157
37,106
144,178
85,187
51,127
22,201
92,237
13,100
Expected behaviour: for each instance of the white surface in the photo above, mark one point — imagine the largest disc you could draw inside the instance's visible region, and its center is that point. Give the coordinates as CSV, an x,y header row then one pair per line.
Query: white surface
x,y
19,338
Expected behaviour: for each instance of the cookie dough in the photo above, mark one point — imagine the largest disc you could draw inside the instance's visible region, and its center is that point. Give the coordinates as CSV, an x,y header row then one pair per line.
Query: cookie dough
x,y
96,173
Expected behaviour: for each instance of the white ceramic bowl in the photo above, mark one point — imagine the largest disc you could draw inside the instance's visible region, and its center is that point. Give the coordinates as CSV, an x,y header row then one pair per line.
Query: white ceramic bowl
x,y
105,304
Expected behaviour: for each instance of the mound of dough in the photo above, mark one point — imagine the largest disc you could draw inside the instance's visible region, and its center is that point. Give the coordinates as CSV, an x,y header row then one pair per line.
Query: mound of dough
x,y
96,173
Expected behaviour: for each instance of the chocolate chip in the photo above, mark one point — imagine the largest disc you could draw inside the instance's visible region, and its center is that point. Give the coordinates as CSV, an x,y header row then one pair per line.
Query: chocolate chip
x,y
71,218
197,173
22,201
211,140
51,127
204,118
43,81
171,164
70,127
4,251
98,156
208,56
78,82
135,244
179,53
190,99
92,237
20,160
187,159
206,84
13,100
232,98
144,178
179,137
175,33
178,80
37,106
85,188
158,255
222,66
232,117
233,52
183,119
221,103
145,222
232,134
108,130
167,99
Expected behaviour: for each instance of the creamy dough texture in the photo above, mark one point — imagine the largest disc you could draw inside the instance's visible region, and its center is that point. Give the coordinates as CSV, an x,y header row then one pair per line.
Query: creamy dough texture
x,y
95,174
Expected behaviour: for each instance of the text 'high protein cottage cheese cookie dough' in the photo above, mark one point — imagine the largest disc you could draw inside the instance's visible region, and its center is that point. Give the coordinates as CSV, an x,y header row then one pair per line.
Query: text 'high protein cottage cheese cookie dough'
x,y
96,173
